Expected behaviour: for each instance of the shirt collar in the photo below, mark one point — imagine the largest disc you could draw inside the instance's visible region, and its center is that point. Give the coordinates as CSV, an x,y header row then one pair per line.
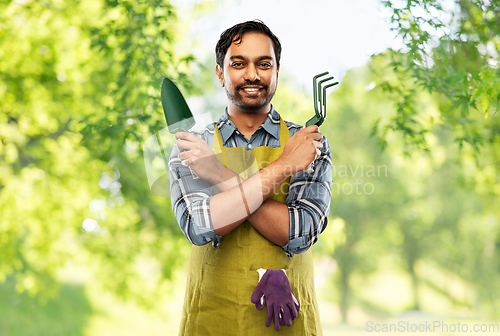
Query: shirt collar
x,y
271,125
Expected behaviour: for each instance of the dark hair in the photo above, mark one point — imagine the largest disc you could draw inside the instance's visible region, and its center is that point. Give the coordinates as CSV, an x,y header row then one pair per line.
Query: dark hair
x,y
227,37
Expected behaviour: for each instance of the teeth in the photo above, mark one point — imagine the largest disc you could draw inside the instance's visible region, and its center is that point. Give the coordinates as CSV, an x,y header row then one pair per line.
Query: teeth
x,y
251,89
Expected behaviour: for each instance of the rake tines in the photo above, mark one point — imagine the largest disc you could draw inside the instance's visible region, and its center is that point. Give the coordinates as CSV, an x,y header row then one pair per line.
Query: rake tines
x,y
319,93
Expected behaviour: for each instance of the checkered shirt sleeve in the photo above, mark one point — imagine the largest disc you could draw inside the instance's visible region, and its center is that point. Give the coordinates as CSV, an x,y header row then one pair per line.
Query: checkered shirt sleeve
x,y
308,203
191,203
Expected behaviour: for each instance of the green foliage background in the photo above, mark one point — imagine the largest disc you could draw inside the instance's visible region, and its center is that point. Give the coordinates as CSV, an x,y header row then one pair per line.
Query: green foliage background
x,y
79,95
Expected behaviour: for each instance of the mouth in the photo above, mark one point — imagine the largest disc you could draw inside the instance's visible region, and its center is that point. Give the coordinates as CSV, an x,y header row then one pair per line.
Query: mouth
x,y
252,90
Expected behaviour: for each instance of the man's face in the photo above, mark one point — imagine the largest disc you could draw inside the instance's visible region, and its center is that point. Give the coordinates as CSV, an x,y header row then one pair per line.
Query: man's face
x,y
250,73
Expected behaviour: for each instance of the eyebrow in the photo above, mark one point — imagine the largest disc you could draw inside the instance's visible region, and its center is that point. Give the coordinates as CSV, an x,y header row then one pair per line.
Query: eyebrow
x,y
240,57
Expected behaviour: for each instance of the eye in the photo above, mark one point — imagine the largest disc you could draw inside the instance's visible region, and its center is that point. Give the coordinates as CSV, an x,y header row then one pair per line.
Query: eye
x,y
237,64
265,65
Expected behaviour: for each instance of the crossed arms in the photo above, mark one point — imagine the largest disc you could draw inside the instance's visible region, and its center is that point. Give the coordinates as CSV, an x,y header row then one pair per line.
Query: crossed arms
x,y
204,217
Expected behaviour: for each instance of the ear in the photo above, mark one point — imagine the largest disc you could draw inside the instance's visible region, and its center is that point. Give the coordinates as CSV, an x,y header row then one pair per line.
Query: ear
x,y
220,74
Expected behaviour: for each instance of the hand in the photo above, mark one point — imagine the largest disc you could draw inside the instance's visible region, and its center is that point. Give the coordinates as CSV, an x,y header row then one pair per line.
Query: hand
x,y
197,155
301,149
275,291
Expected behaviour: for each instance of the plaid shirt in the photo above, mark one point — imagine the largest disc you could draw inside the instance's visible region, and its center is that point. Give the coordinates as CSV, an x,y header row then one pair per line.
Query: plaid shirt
x,y
308,198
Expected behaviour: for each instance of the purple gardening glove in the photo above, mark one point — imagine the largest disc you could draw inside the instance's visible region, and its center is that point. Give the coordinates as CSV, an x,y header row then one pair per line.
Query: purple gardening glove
x,y
274,289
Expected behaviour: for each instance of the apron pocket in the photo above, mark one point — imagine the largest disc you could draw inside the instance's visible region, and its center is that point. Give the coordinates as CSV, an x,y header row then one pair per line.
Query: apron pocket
x,y
218,306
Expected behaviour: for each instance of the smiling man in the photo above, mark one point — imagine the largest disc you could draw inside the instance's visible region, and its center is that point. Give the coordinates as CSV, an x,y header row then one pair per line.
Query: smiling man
x,y
263,219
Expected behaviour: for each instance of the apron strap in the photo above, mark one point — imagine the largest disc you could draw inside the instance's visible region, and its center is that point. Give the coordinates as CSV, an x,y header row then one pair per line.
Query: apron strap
x,y
284,133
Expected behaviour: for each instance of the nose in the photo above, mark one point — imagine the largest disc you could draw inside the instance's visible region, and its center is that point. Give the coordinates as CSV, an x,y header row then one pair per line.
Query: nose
x,y
251,73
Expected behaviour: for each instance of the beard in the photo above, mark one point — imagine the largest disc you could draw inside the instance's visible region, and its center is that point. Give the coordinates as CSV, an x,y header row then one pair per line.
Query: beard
x,y
250,104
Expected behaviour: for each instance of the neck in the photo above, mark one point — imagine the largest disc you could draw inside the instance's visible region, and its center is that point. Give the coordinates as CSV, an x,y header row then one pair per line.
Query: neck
x,y
247,122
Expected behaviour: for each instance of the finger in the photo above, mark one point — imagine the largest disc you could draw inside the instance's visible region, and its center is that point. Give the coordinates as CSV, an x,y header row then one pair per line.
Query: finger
x,y
183,145
184,155
293,311
277,317
257,293
186,136
269,314
297,304
310,129
318,144
286,316
260,304
193,156
186,163
315,136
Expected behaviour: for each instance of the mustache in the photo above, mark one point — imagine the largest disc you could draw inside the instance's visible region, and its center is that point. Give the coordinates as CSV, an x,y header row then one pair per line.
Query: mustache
x,y
248,82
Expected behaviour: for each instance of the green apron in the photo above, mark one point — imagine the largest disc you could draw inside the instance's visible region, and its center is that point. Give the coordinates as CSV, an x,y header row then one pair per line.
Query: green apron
x,y
221,280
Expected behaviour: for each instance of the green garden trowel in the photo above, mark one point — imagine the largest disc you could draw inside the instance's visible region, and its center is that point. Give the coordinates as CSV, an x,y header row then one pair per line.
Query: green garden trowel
x,y
177,113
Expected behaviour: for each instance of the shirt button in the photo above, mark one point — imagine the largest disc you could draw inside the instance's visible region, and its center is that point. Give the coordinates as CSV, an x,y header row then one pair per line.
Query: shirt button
x,y
249,146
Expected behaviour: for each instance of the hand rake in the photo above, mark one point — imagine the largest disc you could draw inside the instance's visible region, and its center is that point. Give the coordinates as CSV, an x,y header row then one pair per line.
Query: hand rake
x,y
319,93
